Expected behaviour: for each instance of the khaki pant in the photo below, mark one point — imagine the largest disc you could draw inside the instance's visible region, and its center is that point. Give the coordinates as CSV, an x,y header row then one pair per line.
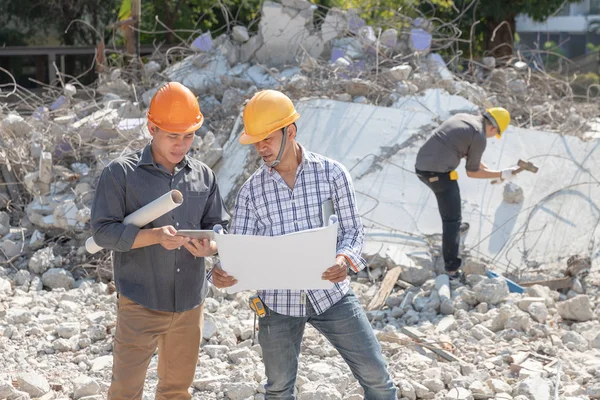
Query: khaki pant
x,y
139,331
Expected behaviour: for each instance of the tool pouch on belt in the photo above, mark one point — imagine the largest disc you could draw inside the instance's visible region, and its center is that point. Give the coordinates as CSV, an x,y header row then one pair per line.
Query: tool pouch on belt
x,y
453,175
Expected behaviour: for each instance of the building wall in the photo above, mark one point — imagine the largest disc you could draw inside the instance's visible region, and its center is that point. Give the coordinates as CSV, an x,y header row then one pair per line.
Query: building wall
x,y
568,28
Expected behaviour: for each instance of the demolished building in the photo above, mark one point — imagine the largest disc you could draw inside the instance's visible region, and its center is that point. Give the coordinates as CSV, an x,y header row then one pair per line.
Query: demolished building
x,y
371,114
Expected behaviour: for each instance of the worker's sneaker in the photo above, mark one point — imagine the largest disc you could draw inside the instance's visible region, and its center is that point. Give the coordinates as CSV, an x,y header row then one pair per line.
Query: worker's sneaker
x,y
464,227
457,275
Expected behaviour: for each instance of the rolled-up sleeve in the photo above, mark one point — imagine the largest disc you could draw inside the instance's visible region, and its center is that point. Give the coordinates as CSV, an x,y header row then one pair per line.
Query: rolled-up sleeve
x,y
108,213
475,153
244,221
350,231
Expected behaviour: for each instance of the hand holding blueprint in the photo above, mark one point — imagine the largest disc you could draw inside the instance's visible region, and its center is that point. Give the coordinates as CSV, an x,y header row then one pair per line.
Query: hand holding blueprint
x,y
295,261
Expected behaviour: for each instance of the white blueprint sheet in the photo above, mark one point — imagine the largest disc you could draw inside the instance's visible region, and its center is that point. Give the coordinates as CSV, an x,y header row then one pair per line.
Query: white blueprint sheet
x,y
293,261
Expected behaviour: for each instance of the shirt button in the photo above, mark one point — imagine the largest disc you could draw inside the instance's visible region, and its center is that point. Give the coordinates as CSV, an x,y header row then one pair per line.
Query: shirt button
x,y
177,224
177,269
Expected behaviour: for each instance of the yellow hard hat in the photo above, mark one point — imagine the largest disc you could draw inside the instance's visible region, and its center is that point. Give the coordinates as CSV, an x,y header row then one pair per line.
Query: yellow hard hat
x,y
175,109
500,118
266,112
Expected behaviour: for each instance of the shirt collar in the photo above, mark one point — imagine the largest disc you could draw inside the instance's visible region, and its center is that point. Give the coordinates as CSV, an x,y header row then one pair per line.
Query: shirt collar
x,y
308,157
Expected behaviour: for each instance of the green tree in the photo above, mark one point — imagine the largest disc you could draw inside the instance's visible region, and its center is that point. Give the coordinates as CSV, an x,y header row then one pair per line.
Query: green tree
x,y
496,27
184,17
12,31
46,15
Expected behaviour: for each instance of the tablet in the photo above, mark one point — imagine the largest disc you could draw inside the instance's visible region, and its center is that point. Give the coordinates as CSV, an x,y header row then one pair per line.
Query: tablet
x,y
196,234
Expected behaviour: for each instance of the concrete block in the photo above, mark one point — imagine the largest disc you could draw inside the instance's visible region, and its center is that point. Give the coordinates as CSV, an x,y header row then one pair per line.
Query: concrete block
x,y
240,34
4,223
45,168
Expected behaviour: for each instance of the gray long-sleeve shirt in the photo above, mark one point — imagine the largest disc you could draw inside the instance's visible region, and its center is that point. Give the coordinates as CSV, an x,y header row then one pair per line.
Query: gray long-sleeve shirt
x,y
462,135
152,276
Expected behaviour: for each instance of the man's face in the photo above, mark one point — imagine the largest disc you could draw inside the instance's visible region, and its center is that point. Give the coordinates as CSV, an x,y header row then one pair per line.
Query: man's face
x,y
170,147
269,148
491,131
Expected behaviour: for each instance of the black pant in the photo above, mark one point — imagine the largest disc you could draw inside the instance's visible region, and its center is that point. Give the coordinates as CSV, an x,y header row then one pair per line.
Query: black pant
x,y
447,194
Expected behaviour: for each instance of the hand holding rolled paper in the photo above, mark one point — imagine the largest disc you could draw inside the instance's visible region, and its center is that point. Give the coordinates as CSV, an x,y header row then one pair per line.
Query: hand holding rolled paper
x,y
145,215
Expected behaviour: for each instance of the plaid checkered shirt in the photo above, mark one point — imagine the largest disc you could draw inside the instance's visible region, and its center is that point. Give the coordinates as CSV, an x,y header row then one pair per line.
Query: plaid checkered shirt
x,y
266,206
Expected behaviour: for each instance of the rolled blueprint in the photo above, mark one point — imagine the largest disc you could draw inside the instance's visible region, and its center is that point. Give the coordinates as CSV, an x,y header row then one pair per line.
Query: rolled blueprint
x,y
145,215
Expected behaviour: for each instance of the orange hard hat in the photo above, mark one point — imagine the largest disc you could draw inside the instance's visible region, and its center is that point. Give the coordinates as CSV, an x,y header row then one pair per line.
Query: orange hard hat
x,y
266,112
175,109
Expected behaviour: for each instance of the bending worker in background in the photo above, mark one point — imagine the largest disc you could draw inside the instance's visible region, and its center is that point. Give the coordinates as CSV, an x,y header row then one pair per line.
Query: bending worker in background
x,y
160,277
461,136
285,195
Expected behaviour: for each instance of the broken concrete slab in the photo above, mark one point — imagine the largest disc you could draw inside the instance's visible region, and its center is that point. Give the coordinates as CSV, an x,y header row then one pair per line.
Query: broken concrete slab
x,y
131,126
442,285
579,308
41,261
261,77
347,47
287,33
240,34
45,170
230,51
100,124
200,73
335,25
400,72
4,223
58,278
32,383
420,40
151,67
249,49
513,193
535,388
495,225
65,215
16,124
491,291
203,42
10,248
389,38
278,24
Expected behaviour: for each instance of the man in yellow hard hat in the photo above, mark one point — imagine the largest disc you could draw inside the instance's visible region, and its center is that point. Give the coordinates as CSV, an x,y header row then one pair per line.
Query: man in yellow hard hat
x,y
286,195
460,136
159,276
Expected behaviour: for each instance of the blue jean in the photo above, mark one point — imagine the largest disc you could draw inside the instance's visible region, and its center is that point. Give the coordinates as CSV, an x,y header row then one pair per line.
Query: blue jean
x,y
346,327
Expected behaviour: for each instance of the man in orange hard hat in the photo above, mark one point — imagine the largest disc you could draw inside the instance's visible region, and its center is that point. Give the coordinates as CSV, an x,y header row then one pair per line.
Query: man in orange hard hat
x,y
286,195
460,136
160,277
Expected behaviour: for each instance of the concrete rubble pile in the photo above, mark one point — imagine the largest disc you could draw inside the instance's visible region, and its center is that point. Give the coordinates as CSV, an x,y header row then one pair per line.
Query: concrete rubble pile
x,y
57,313
503,345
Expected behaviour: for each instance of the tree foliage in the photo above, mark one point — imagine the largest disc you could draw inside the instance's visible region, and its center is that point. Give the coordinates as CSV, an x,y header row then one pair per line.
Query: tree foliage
x,y
185,17
56,15
495,21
